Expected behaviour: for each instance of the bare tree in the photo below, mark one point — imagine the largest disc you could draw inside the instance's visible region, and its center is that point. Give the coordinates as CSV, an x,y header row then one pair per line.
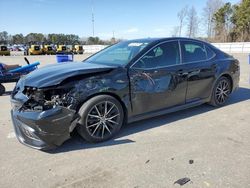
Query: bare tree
x,y
3,37
182,15
175,31
192,22
209,10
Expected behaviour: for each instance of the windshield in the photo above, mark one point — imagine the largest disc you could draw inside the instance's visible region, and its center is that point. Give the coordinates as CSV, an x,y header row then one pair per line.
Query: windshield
x,y
118,54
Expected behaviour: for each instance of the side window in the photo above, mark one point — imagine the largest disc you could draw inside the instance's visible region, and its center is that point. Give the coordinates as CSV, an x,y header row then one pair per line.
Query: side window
x,y
165,54
158,51
193,51
210,53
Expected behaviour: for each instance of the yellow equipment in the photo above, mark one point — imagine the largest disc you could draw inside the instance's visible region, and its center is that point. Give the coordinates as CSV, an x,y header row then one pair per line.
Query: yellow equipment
x,y
61,48
48,50
78,49
4,50
35,50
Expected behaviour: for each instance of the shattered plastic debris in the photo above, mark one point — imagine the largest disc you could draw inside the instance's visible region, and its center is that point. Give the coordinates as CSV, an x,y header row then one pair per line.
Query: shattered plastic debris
x,y
191,161
147,161
206,183
182,181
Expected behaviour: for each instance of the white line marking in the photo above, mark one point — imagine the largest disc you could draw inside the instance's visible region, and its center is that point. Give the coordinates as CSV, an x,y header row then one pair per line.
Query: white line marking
x,y
11,135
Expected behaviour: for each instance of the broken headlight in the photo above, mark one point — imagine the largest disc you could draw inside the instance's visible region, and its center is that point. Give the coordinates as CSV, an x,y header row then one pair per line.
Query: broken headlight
x,y
44,99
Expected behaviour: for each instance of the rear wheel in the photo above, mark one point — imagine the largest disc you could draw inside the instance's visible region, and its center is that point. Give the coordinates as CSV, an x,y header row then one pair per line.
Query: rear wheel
x,y
221,92
101,118
2,89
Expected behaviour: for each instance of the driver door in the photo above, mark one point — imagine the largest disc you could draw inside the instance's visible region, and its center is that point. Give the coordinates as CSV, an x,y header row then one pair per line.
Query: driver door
x,y
157,79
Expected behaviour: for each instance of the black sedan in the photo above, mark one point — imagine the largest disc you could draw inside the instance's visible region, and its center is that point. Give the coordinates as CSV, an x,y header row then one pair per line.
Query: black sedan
x,y
126,82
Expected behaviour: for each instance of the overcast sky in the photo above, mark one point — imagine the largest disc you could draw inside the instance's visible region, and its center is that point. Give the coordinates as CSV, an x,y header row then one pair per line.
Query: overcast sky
x,y
127,18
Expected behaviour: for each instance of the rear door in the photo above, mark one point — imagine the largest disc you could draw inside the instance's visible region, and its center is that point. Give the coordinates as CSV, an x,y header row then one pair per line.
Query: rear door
x,y
157,80
201,68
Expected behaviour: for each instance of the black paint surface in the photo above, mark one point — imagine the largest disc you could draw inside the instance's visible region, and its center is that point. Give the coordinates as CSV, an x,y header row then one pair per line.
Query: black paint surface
x,y
143,93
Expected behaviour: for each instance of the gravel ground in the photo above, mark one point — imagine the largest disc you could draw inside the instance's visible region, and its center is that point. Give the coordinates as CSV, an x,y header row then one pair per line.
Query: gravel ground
x,y
211,146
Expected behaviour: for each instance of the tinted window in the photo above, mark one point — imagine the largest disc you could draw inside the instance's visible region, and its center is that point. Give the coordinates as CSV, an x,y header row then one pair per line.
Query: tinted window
x,y
165,54
193,51
210,53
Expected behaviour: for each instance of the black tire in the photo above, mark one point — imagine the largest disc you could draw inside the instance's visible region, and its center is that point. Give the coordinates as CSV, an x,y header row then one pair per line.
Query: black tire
x,y
2,89
221,92
95,124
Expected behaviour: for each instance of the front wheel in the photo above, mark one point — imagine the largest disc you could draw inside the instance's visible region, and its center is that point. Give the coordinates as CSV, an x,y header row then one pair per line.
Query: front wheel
x,y
101,118
221,92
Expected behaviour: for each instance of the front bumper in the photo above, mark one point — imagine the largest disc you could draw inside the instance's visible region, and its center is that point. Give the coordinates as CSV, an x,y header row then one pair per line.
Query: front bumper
x,y
42,130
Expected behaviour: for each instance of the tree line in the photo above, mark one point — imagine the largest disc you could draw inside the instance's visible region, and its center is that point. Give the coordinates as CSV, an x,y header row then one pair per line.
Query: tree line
x,y
219,22
39,38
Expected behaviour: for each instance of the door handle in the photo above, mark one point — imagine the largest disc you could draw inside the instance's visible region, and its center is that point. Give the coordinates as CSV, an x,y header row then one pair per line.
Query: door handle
x,y
156,71
214,66
182,73
194,72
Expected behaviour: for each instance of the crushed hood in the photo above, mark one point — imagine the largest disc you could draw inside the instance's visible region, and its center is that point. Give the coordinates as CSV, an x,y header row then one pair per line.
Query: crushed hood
x,y
54,74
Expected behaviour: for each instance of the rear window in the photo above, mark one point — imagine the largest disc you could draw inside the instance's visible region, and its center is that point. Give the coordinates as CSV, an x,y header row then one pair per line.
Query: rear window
x,y
193,51
63,48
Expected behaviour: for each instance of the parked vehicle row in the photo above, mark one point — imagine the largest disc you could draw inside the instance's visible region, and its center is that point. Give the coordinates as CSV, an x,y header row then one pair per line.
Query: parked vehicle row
x,y
42,49
50,50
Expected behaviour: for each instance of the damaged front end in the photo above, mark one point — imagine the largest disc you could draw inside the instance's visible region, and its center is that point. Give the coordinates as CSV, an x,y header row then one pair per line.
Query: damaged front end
x,y
42,118
45,103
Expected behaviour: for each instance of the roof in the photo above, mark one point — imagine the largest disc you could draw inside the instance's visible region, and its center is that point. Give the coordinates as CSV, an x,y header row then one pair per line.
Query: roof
x,y
149,40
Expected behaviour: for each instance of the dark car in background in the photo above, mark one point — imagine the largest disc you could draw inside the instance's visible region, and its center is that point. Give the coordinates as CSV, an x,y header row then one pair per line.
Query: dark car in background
x,y
126,82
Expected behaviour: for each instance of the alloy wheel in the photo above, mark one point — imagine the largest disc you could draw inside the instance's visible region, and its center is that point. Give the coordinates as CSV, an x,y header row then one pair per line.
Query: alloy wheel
x,y
102,119
222,91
